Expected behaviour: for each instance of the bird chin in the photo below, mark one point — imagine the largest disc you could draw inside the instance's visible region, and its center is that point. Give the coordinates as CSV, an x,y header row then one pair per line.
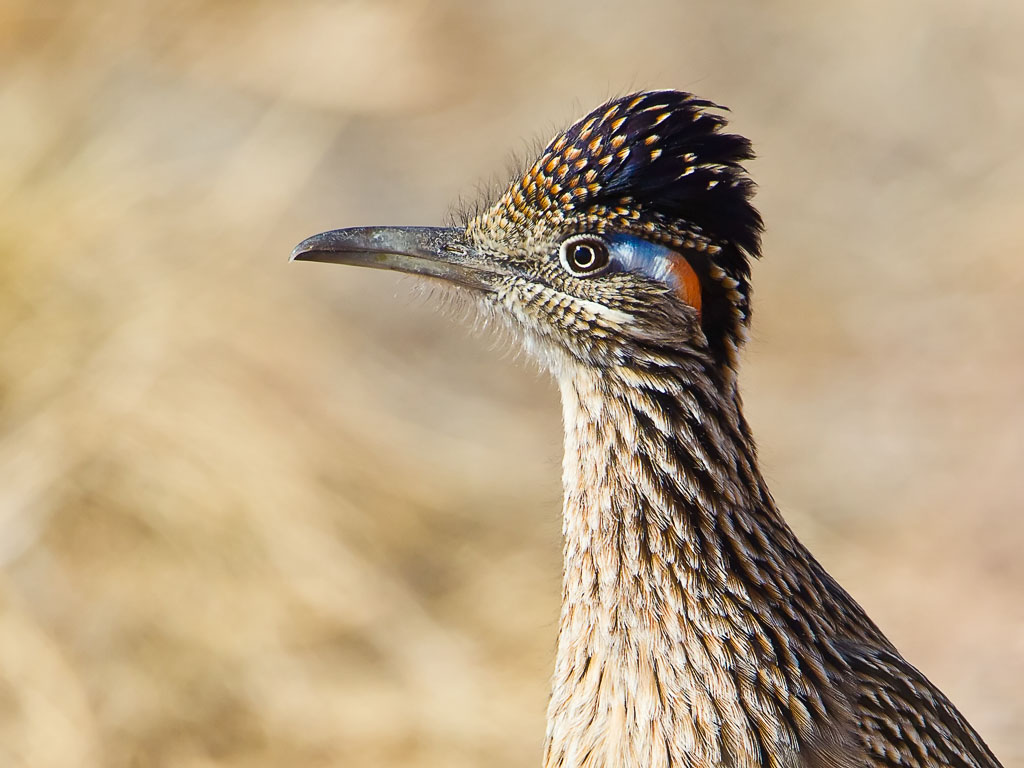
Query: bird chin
x,y
471,308
486,317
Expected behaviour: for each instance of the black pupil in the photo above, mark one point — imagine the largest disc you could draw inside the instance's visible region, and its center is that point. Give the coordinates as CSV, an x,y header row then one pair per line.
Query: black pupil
x,y
584,256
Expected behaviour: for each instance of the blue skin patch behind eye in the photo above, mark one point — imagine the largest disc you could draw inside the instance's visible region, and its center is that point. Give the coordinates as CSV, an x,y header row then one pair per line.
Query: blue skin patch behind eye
x,y
629,253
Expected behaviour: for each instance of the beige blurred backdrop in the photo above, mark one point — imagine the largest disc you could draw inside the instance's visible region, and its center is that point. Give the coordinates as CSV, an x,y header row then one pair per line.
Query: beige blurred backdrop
x,y
262,514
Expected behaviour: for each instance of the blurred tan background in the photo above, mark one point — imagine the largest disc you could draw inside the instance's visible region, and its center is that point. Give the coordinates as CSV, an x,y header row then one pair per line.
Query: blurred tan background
x,y
259,514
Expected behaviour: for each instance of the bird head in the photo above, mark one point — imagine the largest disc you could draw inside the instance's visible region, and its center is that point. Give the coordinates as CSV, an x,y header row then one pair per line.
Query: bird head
x,y
628,240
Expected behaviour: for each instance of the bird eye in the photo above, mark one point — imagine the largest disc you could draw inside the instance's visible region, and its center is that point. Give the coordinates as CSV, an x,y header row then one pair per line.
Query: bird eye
x,y
584,255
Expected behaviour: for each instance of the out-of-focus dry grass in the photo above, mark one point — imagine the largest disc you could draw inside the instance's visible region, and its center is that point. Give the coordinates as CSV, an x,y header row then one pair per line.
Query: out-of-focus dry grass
x,y
259,514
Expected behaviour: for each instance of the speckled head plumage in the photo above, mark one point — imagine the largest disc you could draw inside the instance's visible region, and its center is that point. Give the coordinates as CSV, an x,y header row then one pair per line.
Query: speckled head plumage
x,y
659,153
658,165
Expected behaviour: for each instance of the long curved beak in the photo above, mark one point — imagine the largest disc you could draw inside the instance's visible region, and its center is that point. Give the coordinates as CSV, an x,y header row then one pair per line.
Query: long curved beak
x,y
440,252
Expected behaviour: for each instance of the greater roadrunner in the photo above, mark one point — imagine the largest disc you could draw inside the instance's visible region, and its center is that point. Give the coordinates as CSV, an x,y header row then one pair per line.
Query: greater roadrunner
x,y
695,630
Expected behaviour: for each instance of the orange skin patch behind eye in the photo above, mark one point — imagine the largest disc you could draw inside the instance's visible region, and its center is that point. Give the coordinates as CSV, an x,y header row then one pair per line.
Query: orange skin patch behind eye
x,y
689,283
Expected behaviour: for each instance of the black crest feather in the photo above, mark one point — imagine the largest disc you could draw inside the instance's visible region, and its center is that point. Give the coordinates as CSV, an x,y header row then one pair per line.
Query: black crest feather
x,y
677,162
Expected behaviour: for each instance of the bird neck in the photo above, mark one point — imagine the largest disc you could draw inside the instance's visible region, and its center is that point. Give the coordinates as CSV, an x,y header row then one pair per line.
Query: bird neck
x,y
677,569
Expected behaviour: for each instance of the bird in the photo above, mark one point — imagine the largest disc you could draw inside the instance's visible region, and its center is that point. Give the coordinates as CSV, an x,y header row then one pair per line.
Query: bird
x,y
695,628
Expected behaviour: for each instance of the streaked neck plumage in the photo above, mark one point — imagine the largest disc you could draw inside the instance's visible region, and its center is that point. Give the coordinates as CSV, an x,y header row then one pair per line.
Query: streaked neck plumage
x,y
683,587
